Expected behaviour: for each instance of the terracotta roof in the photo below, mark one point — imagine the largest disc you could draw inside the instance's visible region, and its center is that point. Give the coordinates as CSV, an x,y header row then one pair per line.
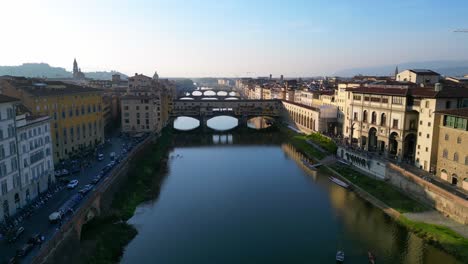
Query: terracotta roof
x,y
446,92
379,90
460,112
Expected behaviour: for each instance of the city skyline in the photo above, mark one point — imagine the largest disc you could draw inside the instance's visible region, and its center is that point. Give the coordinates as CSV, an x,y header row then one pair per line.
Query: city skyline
x,y
232,38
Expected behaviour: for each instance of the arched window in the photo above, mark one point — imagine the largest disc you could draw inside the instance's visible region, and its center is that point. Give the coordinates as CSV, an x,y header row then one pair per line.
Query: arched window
x,y
455,156
374,118
446,137
459,140
445,153
383,119
364,116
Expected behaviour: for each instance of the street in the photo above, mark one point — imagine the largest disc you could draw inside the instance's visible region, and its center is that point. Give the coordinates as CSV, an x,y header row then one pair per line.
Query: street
x,y
39,221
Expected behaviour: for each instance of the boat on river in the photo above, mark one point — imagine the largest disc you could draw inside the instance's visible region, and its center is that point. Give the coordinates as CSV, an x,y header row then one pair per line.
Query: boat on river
x,y
340,256
339,182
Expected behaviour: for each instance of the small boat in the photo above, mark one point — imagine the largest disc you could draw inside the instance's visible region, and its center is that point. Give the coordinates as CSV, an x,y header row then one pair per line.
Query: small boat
x,y
340,256
371,257
339,182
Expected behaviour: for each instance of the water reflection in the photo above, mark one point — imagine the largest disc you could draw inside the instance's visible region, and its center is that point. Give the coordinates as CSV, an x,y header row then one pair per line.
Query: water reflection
x,y
185,123
209,98
249,203
222,123
222,139
231,98
187,98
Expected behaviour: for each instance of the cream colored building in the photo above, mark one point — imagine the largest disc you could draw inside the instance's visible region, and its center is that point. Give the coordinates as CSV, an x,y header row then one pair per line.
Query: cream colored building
x,y
418,76
452,154
378,120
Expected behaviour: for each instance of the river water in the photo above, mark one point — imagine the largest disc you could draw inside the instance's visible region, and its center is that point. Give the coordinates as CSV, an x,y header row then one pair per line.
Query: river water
x,y
230,198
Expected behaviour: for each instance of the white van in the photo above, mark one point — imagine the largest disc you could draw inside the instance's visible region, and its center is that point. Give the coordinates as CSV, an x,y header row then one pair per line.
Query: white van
x,y
55,217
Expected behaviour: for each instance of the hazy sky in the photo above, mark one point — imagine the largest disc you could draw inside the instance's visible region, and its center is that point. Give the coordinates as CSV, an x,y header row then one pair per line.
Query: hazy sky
x,y
231,37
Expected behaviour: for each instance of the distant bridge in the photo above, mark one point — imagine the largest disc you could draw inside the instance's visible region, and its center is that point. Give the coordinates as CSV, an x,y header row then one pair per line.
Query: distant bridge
x,y
218,93
240,109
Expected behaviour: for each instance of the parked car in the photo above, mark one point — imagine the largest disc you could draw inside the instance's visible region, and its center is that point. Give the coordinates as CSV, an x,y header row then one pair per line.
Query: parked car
x,y
72,184
112,155
86,189
14,236
100,157
55,216
24,250
65,172
35,239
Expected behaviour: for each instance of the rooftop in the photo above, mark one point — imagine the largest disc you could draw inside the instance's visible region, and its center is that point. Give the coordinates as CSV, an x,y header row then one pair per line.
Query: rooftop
x,y
39,87
7,99
423,71
459,112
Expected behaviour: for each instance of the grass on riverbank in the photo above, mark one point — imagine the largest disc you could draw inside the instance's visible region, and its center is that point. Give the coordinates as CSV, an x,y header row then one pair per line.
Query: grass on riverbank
x,y
323,141
111,233
299,141
381,190
440,236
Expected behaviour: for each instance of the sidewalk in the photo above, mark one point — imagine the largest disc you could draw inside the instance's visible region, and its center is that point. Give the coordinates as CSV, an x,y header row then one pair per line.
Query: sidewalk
x,y
434,217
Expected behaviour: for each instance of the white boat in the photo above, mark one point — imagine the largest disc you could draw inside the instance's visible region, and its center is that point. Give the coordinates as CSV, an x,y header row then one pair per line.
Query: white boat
x,y
339,182
340,256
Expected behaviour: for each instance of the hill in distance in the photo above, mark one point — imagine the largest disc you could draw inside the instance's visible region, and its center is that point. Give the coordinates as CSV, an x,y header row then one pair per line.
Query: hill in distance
x,y
44,70
444,67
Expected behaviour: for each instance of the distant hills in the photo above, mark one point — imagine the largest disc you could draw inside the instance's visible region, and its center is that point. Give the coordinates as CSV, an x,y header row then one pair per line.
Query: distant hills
x,y
45,70
444,67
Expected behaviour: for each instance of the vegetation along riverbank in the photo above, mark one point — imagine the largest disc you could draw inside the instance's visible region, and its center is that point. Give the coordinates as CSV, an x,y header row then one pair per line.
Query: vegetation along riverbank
x,y
437,235
111,233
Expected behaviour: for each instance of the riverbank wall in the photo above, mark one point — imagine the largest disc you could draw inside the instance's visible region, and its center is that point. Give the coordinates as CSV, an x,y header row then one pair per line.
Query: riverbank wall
x,y
61,247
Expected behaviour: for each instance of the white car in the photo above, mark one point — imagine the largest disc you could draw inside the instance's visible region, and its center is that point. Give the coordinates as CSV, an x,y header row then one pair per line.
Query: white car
x,y
72,184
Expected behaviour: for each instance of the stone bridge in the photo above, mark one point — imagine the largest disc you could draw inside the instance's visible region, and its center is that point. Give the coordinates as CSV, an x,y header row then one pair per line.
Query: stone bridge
x,y
240,109
212,93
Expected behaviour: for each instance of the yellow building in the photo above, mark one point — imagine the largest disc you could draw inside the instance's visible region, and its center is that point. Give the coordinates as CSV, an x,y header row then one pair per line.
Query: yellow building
x,y
77,119
452,154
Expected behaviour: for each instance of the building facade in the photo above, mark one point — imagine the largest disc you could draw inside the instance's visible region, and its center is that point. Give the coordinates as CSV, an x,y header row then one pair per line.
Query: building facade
x,y
452,154
77,120
26,162
418,76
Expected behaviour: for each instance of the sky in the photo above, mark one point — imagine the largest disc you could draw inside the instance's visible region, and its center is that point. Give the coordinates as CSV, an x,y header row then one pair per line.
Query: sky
x,y
231,38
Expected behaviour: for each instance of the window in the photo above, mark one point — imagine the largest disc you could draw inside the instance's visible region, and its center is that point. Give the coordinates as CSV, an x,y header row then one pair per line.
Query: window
x,y
12,148
455,156
459,140
427,149
427,104
446,137
395,124
420,122
397,100
125,107
14,164
355,116
445,153
364,116
383,119
428,124
357,97
448,104
419,146
375,99
374,118
427,136
385,100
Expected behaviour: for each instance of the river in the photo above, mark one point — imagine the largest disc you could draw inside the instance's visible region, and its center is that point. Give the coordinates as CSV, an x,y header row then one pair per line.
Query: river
x,y
230,198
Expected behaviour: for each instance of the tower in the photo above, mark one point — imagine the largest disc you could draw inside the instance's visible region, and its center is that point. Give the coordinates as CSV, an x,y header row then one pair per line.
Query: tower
x,y
156,76
75,68
396,72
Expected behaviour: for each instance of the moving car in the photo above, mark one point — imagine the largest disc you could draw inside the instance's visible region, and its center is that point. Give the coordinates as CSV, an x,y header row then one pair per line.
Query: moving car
x,y
100,157
72,184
